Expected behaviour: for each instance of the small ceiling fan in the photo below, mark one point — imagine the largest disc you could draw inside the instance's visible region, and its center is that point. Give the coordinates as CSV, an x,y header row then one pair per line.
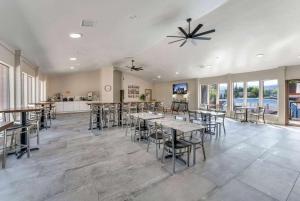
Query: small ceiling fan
x,y
191,35
133,67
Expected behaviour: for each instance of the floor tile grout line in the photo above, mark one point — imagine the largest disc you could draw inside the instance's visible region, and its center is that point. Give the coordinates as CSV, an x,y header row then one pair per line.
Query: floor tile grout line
x,y
293,187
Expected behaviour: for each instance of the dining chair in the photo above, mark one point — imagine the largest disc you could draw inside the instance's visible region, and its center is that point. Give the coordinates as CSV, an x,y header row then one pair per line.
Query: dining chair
x,y
258,113
180,146
155,136
238,111
196,140
220,120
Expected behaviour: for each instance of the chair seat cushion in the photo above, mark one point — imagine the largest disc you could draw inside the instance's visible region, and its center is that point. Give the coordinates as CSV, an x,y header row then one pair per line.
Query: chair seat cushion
x,y
178,144
157,136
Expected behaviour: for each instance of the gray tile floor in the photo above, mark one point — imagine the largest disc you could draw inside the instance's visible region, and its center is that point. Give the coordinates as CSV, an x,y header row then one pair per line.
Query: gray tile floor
x,y
252,162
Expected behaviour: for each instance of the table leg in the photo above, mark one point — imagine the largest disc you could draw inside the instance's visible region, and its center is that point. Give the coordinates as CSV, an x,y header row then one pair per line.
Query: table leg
x,y
173,148
24,136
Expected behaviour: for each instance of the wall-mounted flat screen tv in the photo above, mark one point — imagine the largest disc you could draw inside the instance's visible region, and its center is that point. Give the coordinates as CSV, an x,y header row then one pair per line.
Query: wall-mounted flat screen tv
x,y
180,88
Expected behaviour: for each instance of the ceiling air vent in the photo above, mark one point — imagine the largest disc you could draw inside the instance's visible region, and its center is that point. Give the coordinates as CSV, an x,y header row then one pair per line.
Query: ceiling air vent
x,y
87,23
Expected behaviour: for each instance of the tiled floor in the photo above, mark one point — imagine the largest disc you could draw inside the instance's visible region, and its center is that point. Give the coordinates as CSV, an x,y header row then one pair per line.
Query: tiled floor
x,y
252,162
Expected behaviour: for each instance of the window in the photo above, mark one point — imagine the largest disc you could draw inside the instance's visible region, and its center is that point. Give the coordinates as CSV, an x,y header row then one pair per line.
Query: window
x,y
30,89
270,96
24,92
43,90
253,93
238,93
4,87
223,96
204,91
213,94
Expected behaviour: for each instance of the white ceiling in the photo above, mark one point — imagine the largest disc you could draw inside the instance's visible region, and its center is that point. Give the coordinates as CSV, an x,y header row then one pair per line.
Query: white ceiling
x,y
244,28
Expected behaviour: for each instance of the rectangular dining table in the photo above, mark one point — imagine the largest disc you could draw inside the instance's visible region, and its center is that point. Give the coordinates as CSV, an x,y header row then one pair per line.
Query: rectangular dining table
x,y
177,125
23,111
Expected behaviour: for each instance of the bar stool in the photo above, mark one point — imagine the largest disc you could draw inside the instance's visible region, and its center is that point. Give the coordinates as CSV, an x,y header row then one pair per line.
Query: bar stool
x,y
96,117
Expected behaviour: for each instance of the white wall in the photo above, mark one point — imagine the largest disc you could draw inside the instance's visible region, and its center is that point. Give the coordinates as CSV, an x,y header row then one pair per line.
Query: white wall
x,y
78,83
7,56
128,79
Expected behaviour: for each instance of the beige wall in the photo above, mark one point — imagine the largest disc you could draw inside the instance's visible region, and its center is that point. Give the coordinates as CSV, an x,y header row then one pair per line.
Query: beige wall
x,y
78,84
117,85
164,92
106,78
129,79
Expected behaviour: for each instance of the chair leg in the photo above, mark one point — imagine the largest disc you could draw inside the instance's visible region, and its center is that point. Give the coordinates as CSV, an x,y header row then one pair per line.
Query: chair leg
x,y
163,155
4,151
37,134
28,143
194,154
188,157
148,144
156,149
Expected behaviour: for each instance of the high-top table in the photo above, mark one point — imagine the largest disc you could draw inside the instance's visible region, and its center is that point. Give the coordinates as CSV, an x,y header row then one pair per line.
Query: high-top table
x,y
3,127
246,108
178,125
23,111
44,104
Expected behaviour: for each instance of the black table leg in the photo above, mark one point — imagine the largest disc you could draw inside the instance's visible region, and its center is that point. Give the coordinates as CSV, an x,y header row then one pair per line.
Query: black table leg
x,y
24,136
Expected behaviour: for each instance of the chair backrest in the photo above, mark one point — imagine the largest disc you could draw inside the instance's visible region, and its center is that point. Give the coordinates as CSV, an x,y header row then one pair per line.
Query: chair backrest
x,y
180,118
261,110
192,116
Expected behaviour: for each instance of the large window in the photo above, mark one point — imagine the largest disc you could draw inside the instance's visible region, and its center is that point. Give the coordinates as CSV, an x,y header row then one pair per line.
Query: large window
x,y
204,92
270,96
223,96
238,93
253,93
4,87
30,89
213,95
43,90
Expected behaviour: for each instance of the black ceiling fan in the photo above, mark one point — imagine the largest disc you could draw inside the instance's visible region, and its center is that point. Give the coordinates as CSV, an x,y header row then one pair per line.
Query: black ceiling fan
x,y
133,67
191,35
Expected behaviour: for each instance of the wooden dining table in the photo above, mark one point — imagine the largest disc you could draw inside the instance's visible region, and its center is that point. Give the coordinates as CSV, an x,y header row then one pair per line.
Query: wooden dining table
x,y
23,111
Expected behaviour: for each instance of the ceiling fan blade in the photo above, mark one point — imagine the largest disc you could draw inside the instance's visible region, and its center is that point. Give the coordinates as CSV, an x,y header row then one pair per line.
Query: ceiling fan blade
x,y
182,44
183,31
176,41
202,38
176,36
206,32
196,29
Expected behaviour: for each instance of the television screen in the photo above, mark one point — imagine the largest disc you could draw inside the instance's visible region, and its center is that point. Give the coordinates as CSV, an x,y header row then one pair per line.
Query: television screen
x,y
180,88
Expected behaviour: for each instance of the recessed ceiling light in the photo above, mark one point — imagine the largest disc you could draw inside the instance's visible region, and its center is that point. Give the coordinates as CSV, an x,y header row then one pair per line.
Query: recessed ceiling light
x,y
177,73
208,66
75,35
158,76
72,67
73,59
260,55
